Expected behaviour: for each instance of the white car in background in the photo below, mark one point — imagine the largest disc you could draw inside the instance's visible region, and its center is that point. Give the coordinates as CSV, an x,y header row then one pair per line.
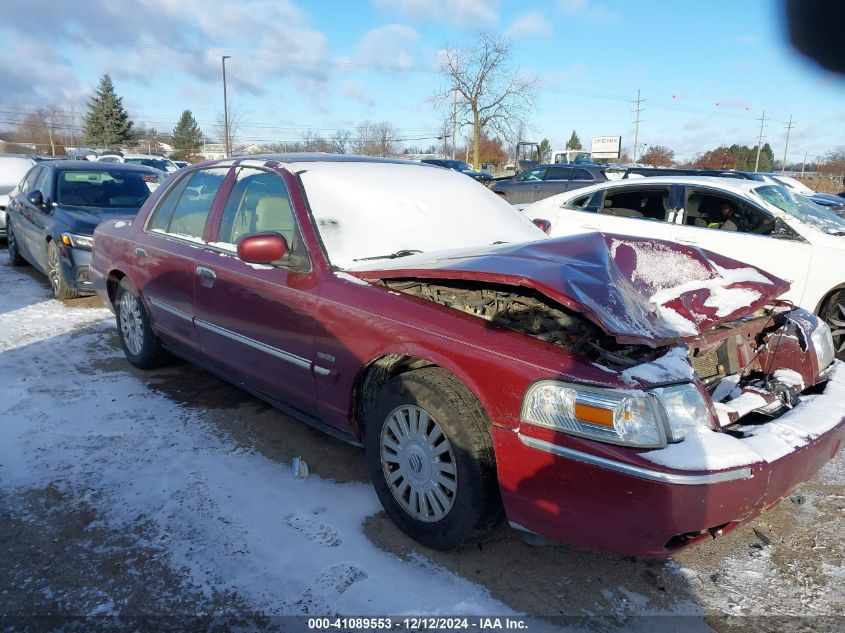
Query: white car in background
x,y
12,170
150,160
768,226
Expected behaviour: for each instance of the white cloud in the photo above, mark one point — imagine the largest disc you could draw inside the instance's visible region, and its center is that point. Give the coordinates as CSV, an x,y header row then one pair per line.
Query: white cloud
x,y
469,14
388,45
160,37
529,24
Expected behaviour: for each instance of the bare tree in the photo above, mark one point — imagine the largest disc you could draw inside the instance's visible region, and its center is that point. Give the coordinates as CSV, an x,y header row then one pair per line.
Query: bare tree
x,y
375,139
236,119
340,141
492,92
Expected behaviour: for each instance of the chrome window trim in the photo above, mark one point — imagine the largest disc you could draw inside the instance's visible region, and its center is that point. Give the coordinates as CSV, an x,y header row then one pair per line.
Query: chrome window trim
x,y
637,471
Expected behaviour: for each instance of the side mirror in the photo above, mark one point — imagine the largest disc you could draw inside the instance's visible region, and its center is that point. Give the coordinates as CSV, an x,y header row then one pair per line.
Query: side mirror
x,y
35,198
262,248
543,225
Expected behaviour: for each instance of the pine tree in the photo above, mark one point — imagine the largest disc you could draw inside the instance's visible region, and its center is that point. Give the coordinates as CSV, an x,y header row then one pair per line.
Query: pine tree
x,y
574,142
767,158
107,123
187,136
545,151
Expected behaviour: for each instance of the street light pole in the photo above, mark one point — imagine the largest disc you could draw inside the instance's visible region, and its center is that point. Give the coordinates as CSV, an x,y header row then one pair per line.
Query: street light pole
x,y
226,109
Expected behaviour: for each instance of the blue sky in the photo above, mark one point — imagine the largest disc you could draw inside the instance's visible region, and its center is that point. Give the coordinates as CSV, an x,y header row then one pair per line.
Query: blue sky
x,y
706,70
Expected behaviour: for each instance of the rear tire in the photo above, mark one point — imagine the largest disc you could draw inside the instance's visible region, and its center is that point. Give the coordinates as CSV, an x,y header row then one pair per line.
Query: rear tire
x,y
15,256
56,275
431,460
140,345
833,313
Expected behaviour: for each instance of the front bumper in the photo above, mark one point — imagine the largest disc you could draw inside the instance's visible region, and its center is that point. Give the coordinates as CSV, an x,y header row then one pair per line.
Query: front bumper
x,y
75,265
617,500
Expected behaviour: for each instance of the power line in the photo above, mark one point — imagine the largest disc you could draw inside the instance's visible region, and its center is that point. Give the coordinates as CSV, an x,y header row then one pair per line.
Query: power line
x,y
789,127
637,122
760,140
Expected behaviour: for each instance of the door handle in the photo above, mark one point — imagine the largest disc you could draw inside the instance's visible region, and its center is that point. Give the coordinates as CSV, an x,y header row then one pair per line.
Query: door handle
x,y
140,252
206,273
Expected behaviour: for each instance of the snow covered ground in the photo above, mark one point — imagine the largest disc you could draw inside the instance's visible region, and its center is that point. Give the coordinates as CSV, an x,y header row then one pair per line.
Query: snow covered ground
x,y
215,525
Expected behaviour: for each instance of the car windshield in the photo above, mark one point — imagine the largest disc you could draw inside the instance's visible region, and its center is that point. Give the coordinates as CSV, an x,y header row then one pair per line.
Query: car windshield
x,y
367,210
105,188
802,209
157,163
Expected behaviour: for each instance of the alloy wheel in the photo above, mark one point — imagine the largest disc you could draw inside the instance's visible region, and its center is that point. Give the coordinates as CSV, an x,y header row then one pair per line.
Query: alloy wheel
x,y
131,325
418,463
11,242
836,321
54,268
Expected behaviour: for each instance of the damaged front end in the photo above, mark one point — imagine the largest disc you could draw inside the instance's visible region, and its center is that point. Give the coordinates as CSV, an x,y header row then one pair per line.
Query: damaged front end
x,y
750,369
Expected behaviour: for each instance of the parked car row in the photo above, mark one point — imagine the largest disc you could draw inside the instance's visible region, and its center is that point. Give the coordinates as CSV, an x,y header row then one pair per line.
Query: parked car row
x,y
52,212
486,368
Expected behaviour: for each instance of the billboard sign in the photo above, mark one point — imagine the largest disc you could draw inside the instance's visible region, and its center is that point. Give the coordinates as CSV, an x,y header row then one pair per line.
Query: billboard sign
x,y
606,146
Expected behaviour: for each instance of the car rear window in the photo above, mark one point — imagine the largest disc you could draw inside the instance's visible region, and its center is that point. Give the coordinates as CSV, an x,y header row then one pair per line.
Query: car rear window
x,y
104,188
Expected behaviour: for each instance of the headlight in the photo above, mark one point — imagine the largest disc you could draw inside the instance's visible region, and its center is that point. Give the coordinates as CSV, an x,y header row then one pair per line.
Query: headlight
x,y
823,344
634,418
610,415
85,242
685,409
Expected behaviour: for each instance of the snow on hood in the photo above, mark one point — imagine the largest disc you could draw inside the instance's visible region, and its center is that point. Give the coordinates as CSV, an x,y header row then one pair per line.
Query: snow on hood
x,y
364,210
640,291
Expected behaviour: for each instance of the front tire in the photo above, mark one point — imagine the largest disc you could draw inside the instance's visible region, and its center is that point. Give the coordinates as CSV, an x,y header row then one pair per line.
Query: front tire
x,y
430,456
833,313
140,345
58,283
15,256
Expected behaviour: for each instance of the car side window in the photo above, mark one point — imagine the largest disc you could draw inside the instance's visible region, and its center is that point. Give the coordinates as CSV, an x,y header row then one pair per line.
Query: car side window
x,y
258,203
647,204
558,173
711,210
42,183
532,175
30,178
185,209
582,174
589,202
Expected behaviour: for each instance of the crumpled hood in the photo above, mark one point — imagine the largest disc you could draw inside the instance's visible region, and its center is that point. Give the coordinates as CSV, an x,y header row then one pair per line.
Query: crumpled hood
x,y
83,220
639,291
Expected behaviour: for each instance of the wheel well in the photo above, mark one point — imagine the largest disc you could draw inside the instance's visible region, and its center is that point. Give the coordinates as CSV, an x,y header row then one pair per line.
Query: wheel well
x,y
112,283
377,374
828,297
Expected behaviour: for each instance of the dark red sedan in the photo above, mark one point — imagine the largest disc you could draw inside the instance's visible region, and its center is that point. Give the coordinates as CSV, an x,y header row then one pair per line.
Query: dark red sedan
x,y
620,394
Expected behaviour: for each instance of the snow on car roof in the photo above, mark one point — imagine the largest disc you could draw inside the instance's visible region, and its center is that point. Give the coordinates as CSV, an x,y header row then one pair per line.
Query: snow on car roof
x,y
365,209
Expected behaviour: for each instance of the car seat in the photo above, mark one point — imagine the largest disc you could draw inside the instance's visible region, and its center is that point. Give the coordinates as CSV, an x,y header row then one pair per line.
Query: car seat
x,y
694,215
274,213
620,212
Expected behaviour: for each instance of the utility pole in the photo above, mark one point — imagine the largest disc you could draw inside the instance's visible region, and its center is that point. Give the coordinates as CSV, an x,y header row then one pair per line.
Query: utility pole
x,y
454,119
762,121
803,163
226,109
637,122
789,127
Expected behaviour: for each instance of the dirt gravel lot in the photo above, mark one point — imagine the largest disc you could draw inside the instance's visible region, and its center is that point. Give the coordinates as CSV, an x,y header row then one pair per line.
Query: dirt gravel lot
x,y
62,552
